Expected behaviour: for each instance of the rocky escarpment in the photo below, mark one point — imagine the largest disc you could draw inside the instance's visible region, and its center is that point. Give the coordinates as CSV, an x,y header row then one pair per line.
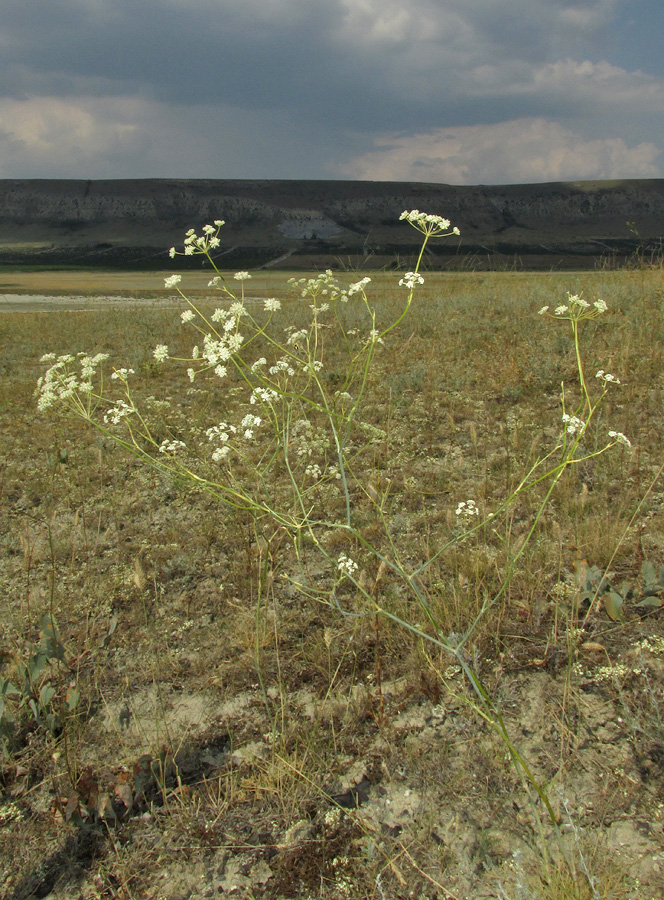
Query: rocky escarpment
x,y
290,223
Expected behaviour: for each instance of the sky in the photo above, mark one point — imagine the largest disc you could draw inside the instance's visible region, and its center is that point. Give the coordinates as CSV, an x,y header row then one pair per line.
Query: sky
x,y
443,91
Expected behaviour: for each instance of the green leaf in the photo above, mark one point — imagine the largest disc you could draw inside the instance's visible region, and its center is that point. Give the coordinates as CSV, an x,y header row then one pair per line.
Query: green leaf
x,y
36,666
113,624
51,644
71,699
651,602
7,689
613,605
46,694
648,572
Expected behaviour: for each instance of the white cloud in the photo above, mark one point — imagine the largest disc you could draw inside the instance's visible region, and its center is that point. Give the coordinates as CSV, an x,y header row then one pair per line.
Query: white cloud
x,y
525,150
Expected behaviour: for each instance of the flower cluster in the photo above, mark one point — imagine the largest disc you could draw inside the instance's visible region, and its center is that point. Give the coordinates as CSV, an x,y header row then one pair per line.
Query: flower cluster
x,y
573,423
224,432
172,447
61,384
607,377
620,438
218,347
467,509
346,566
576,308
118,411
430,225
194,243
323,285
358,286
410,280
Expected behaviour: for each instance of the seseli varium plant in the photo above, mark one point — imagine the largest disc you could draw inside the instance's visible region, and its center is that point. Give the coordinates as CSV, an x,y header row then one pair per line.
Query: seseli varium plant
x,y
293,458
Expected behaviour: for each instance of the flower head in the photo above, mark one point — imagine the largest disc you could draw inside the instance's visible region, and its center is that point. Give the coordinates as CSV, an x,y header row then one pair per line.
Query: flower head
x,y
620,438
410,279
467,509
433,226
346,566
573,423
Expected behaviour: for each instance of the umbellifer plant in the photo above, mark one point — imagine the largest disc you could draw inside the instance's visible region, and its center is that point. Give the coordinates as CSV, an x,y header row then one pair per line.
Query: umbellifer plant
x,y
291,460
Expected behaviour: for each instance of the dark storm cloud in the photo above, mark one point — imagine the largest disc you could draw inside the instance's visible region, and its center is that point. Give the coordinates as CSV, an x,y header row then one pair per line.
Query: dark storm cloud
x,y
342,74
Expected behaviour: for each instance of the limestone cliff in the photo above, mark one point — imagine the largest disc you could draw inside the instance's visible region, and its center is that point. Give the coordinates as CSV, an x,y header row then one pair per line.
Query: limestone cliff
x,y
314,223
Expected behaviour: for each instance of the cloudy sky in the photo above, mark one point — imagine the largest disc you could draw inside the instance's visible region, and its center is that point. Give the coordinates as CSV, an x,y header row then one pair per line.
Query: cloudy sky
x,y
456,91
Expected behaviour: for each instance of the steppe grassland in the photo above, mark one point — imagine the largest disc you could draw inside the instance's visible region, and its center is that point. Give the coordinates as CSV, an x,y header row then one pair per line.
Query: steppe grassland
x,y
468,393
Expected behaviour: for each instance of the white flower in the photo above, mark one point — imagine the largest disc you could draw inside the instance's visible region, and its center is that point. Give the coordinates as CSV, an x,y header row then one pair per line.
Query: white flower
x,y
542,310
122,374
171,447
241,276
358,286
191,373
606,376
600,306
410,279
187,315
296,336
620,438
219,222
271,305
467,509
237,310
346,565
172,280
573,423
561,310
220,371
267,395
160,352
118,412
577,300
220,453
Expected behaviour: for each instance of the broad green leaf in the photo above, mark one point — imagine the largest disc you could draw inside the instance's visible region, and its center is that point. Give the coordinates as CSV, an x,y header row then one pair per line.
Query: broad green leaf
x,y
648,572
651,602
71,698
46,694
36,666
613,605
7,689
51,644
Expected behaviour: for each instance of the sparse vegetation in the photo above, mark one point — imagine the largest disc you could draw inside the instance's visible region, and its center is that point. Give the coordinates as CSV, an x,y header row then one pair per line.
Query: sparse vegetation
x,y
436,675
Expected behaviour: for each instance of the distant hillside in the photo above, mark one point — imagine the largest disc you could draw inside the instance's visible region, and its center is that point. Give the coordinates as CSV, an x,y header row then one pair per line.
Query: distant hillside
x,y
313,224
